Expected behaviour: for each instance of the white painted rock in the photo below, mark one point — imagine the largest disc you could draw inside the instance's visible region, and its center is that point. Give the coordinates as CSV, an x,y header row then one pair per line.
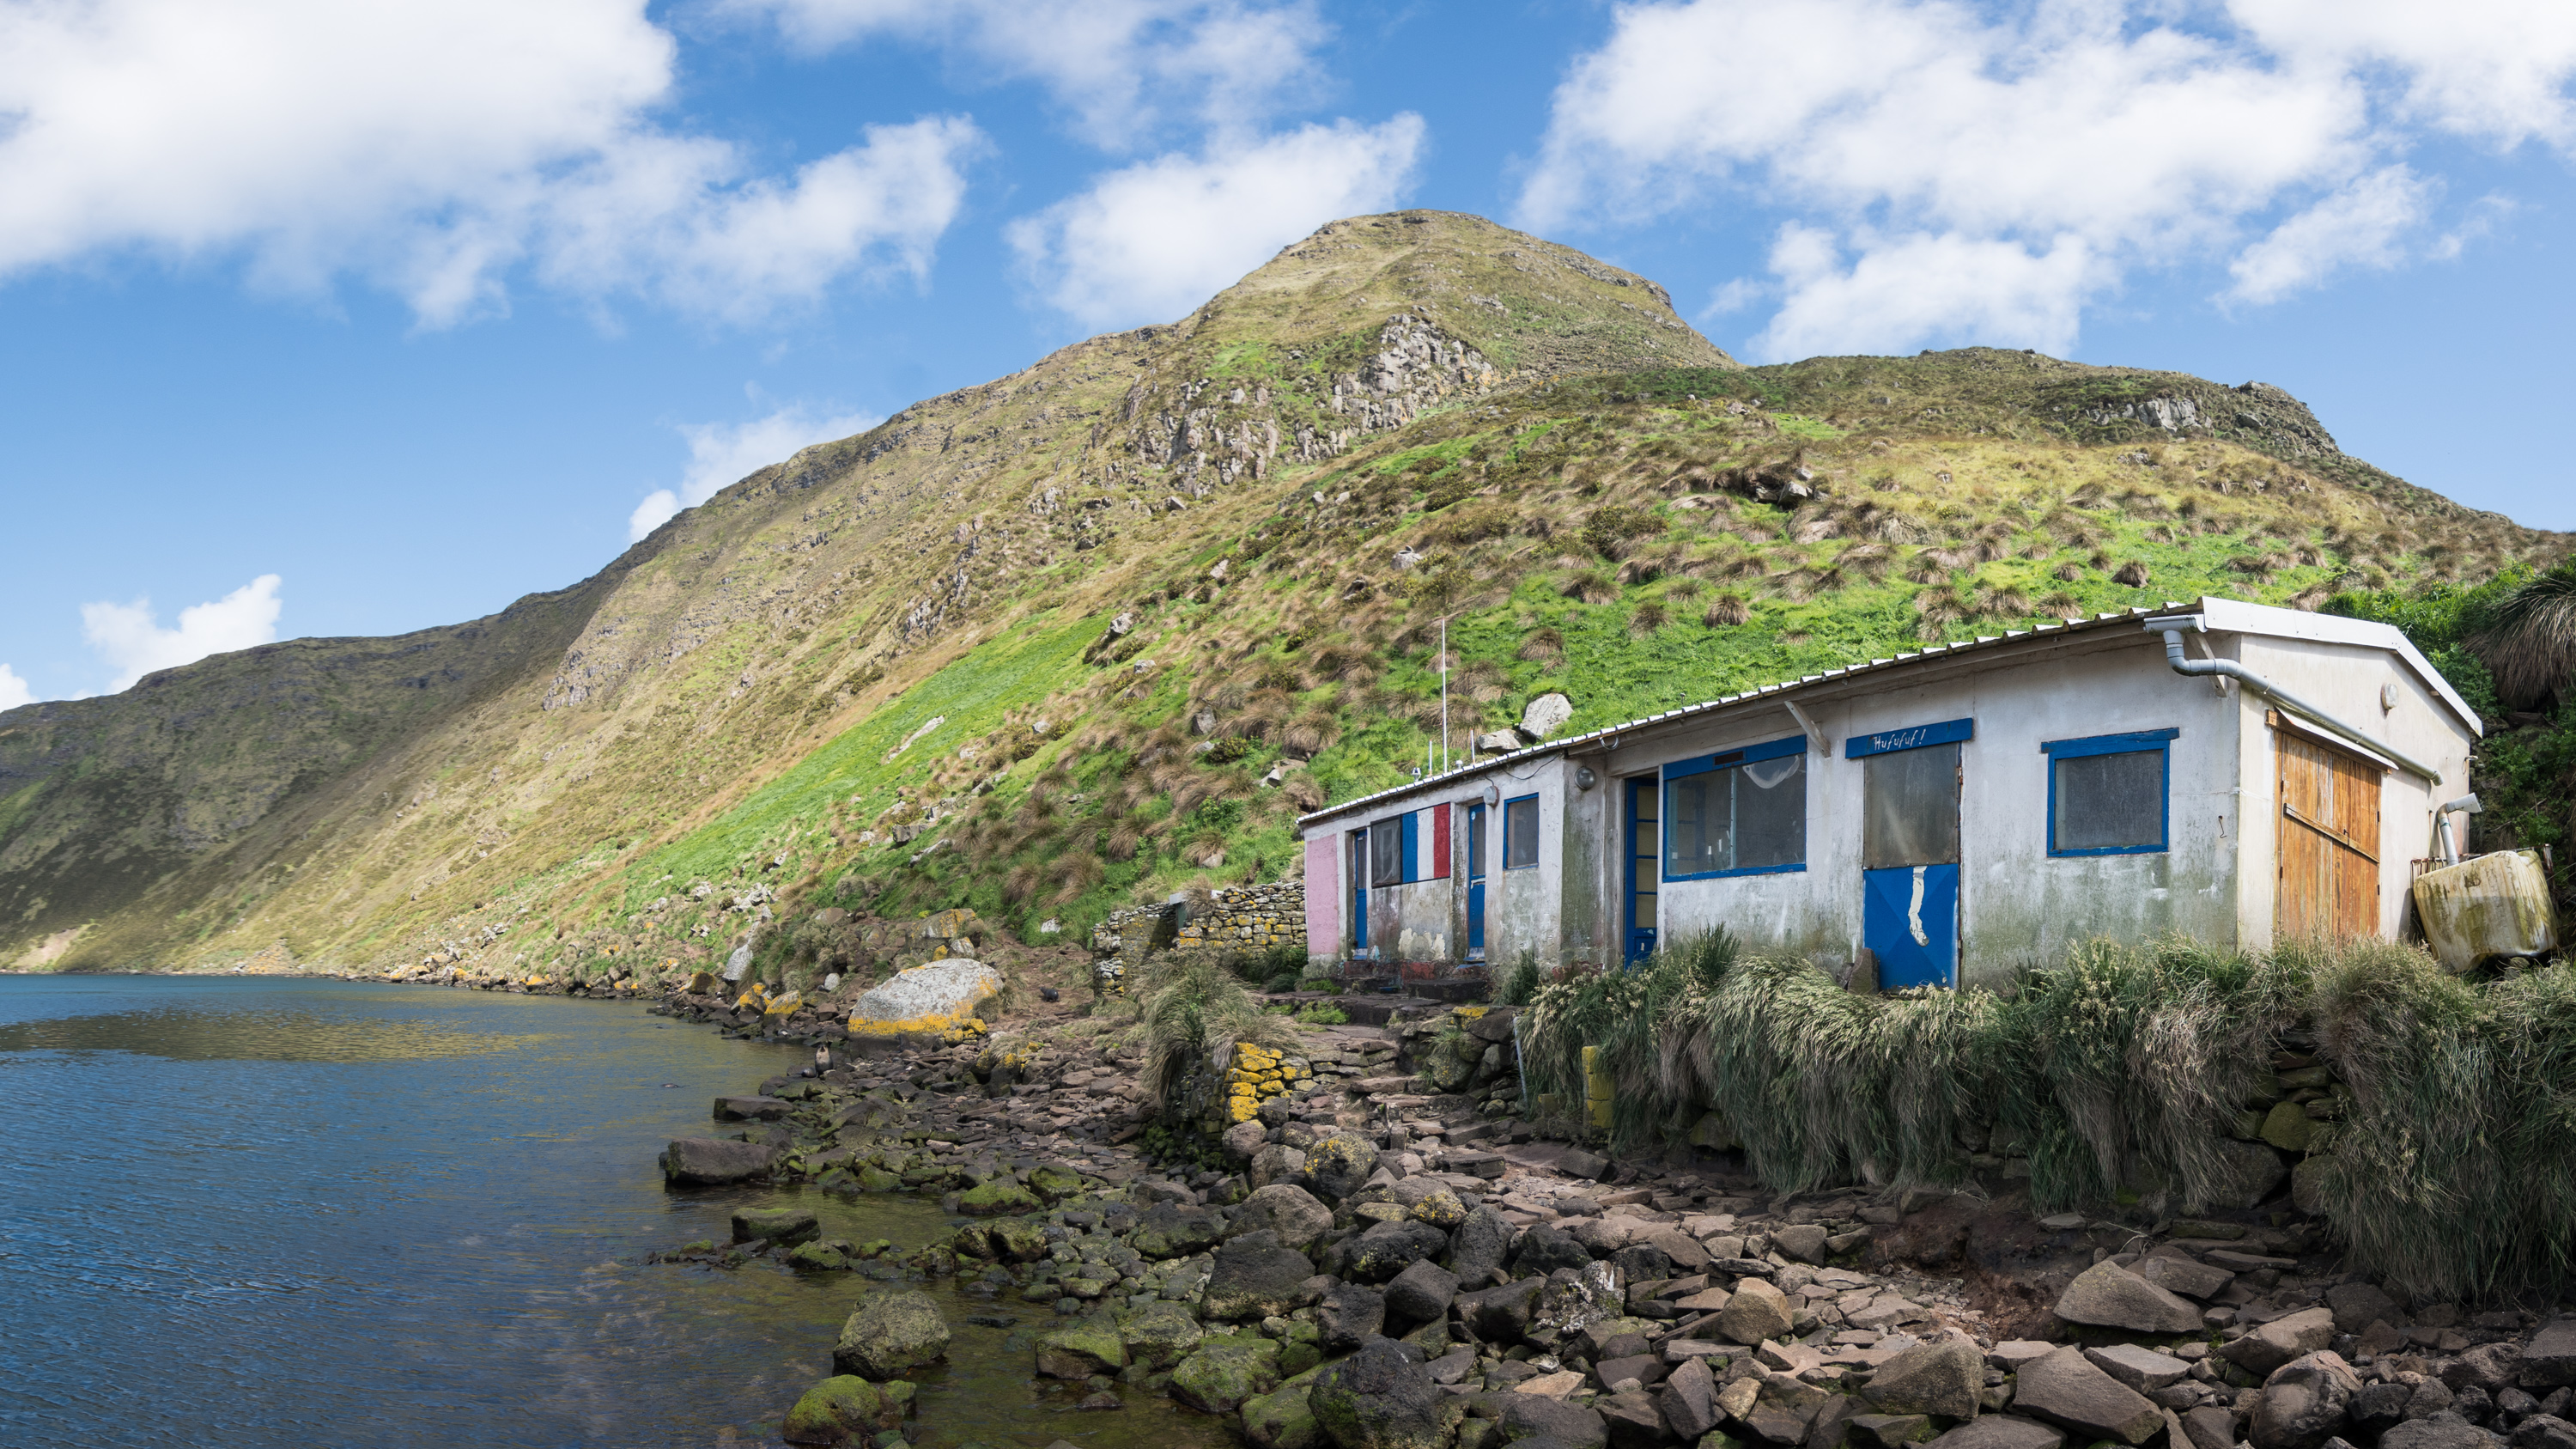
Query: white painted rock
x,y
926,1000
737,963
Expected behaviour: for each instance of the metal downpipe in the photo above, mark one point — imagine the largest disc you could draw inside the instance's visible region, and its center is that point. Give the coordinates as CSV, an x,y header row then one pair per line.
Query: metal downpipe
x,y
2230,669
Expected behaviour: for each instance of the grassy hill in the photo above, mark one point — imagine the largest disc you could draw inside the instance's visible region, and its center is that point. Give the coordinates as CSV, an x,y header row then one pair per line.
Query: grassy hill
x,y
1101,628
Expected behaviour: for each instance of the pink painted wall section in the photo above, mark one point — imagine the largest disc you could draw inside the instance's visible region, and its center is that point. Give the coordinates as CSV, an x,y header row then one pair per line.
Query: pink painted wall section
x,y
1323,897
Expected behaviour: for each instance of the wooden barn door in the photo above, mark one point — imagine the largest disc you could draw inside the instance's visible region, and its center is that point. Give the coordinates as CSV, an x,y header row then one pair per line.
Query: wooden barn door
x,y
2329,841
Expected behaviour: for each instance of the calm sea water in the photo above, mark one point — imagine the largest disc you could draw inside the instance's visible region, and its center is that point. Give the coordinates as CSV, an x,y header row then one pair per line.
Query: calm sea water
x,y
268,1211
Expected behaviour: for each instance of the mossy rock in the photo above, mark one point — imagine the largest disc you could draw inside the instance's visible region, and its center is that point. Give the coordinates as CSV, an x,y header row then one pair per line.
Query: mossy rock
x,y
818,1258
1160,1335
776,1225
1281,1419
1055,1184
996,1198
877,1179
890,1333
1225,1372
1083,1348
844,1409
1020,1240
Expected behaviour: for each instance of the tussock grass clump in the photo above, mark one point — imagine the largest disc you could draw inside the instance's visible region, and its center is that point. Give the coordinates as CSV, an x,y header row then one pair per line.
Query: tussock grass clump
x,y
2119,1073
1190,1004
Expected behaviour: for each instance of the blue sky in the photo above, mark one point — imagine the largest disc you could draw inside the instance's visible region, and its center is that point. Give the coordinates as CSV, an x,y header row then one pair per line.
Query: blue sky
x,y
319,319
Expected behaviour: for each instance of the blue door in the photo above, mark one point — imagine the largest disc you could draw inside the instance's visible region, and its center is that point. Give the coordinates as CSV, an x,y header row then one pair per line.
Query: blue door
x,y
1645,865
1909,852
1910,921
1359,893
1475,880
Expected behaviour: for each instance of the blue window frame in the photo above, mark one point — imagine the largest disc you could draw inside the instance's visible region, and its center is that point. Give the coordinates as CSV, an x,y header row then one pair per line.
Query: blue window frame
x,y
1737,812
2110,794
1912,737
1520,833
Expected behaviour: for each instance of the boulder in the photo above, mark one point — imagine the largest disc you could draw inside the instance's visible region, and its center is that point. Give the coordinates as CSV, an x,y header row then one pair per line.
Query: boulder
x,y
1889,1431
2249,1173
1170,1230
1276,1162
998,1198
1340,1165
1282,1419
1159,1335
2544,1431
1053,1184
776,1225
2358,1305
924,1004
1535,1416
1225,1372
1379,1398
1285,1209
2107,1295
713,1162
751,1109
2281,1340
1254,1277
1803,1241
2187,1276
1690,1400
1757,1312
1386,1249
1018,1240
1942,1378
2442,1431
2549,1361
2001,1431
1544,1249
2489,1366
1421,1293
2308,1183
2304,1402
2210,1428
890,1333
1351,1314
1545,716
1632,1419
843,1409
1499,1314
1082,1348
2065,1389
1243,1139
2142,1369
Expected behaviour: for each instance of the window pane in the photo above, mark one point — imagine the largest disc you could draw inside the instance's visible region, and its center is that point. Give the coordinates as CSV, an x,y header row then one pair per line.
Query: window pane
x,y
1520,833
1771,812
1695,836
1386,852
1475,842
2111,802
1910,808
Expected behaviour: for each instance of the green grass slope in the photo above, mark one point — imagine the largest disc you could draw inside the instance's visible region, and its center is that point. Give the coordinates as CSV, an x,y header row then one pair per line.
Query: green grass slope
x,y
1100,629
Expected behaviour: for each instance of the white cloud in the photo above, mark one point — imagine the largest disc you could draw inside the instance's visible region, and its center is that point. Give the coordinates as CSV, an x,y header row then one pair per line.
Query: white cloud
x,y
1124,68
2492,70
723,454
2362,225
430,147
1150,241
1997,292
13,690
1989,174
130,636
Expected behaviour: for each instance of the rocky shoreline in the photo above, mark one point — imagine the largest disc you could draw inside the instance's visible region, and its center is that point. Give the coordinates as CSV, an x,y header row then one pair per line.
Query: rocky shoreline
x,y
1369,1262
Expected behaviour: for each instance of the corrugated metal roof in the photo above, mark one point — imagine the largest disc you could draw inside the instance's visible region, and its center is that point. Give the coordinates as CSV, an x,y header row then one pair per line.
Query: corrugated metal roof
x,y
2239,618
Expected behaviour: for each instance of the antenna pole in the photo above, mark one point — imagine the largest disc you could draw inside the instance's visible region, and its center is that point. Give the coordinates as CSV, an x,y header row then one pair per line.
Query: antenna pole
x,y
1444,696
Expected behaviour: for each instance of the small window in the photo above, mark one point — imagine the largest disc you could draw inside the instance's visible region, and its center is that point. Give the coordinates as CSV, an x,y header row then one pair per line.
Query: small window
x,y
1386,851
1738,812
1520,832
1910,807
2106,795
